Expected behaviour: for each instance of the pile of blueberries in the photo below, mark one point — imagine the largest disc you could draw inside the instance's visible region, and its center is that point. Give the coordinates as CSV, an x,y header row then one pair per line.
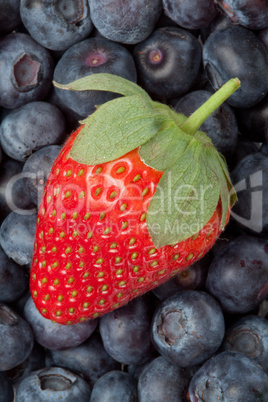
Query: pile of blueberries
x,y
203,335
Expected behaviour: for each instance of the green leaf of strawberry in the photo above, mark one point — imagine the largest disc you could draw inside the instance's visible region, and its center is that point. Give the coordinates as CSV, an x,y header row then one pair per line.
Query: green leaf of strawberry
x,y
186,197
136,195
105,82
103,140
166,147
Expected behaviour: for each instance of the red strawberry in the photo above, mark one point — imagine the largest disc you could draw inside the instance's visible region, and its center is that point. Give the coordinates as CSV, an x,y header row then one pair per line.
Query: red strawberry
x,y
107,232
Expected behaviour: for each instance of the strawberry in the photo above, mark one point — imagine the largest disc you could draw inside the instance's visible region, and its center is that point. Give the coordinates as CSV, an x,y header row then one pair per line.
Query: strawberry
x,y
136,195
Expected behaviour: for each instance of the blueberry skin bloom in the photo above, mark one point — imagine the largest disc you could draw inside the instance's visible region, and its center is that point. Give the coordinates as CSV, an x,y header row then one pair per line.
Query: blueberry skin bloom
x,y
231,377
236,52
16,337
249,335
188,327
26,70
127,21
168,62
93,55
53,384
56,25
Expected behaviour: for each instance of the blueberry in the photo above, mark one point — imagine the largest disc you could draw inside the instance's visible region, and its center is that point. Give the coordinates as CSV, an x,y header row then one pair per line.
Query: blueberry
x,y
220,126
18,305
53,384
263,36
238,274
230,233
26,70
249,335
36,171
237,52
165,21
219,22
92,55
56,336
12,193
136,370
9,15
252,121
245,12
166,289
264,148
31,127
71,118
16,338
125,332
56,25
35,361
244,147
194,277
188,327
6,388
89,359
4,112
168,62
14,280
162,380
191,14
17,237
263,309
127,22
231,377
114,386
250,179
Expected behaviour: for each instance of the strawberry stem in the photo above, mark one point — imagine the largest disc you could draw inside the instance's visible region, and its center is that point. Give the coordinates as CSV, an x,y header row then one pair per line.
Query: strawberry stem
x,y
192,124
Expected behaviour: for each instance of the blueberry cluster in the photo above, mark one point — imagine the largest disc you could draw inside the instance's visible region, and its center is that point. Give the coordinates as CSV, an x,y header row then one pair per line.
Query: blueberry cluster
x,y
203,335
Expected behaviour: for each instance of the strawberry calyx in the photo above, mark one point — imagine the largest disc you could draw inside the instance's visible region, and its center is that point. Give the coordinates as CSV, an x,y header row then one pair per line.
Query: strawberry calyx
x,y
195,176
